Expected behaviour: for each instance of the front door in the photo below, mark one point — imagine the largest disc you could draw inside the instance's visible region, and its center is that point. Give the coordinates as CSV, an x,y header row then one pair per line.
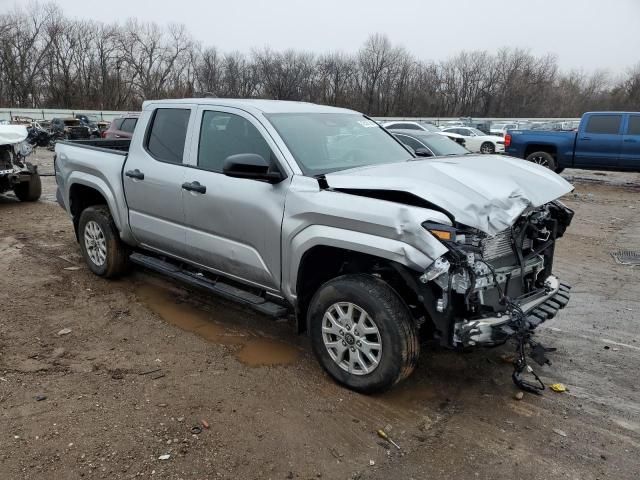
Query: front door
x,y
630,154
234,223
598,144
153,176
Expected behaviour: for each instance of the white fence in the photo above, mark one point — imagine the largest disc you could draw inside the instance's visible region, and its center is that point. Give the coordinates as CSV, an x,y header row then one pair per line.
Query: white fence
x,y
48,114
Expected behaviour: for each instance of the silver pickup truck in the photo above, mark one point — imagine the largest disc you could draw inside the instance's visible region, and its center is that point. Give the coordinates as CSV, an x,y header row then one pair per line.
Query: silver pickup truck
x,y
291,207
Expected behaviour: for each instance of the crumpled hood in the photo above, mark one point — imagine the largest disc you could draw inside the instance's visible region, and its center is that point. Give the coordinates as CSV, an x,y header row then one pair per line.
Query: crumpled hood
x,y
487,192
12,134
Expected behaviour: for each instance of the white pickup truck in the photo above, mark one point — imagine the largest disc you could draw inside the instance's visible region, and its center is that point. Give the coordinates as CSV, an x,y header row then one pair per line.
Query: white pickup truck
x,y
291,207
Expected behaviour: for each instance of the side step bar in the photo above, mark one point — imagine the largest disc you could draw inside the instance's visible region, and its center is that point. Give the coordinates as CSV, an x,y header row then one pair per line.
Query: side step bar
x,y
219,288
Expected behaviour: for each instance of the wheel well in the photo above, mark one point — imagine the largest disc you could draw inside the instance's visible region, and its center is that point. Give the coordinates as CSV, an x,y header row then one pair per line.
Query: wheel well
x,y
322,263
540,148
81,197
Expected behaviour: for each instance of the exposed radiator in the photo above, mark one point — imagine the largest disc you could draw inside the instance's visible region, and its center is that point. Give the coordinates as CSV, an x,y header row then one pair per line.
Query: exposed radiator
x,y
499,245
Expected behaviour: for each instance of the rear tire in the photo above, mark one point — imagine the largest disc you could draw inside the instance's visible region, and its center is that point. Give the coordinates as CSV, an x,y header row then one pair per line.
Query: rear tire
x,y
30,190
487,147
373,347
544,159
103,251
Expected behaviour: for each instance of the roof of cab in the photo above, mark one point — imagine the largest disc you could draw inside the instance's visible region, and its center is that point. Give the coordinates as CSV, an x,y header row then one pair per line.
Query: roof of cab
x,y
255,105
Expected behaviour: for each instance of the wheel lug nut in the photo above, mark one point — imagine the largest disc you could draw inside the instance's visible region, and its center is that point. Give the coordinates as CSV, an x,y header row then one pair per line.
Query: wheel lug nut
x,y
353,349
344,343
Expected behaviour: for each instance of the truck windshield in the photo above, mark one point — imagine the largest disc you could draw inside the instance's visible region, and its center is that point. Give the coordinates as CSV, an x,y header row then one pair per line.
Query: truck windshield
x,y
327,142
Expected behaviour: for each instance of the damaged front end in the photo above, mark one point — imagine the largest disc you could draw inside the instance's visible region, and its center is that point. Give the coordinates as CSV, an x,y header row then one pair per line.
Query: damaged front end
x,y
486,289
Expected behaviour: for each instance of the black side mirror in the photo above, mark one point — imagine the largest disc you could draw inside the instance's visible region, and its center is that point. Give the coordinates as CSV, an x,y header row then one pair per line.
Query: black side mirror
x,y
252,166
423,152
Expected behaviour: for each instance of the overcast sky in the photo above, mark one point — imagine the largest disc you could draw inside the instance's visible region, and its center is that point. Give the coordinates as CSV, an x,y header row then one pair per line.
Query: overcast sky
x,y
587,34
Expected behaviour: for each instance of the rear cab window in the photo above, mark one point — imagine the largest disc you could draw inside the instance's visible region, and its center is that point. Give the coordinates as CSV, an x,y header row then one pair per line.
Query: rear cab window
x,y
604,124
167,134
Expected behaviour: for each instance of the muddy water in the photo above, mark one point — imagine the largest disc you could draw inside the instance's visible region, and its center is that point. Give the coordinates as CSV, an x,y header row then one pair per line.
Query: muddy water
x,y
253,350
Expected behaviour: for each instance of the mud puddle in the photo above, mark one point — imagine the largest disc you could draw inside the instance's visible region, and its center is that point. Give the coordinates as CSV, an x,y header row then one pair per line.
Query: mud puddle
x,y
253,350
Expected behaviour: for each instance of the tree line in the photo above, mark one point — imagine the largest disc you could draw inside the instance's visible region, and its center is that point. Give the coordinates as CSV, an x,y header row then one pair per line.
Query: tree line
x,y
48,60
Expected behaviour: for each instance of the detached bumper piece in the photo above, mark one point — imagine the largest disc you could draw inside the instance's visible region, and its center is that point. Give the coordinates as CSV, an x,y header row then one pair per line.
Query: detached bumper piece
x,y
550,307
491,331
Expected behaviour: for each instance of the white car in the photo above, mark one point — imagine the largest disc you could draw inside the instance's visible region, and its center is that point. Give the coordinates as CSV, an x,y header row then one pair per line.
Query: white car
x,y
424,127
409,125
499,129
477,141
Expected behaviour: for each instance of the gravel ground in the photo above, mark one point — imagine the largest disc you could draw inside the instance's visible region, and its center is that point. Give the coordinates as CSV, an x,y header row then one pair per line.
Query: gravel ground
x,y
105,379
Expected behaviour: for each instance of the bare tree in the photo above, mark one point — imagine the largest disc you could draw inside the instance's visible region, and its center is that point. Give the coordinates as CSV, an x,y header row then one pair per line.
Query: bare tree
x,y
49,60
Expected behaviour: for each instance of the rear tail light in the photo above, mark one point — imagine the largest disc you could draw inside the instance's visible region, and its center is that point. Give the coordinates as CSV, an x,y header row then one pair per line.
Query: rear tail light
x,y
507,140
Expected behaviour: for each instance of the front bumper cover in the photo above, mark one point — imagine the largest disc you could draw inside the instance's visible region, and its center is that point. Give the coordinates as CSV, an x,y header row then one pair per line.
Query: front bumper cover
x,y
495,330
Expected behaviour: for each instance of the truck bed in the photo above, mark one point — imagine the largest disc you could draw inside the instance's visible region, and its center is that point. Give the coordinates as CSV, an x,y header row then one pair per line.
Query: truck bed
x,y
102,161
111,145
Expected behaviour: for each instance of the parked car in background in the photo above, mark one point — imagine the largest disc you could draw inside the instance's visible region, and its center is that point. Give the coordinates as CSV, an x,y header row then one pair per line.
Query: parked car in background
x,y
477,141
499,129
603,141
570,126
122,127
423,127
91,122
426,144
298,209
70,129
407,125
452,123
544,126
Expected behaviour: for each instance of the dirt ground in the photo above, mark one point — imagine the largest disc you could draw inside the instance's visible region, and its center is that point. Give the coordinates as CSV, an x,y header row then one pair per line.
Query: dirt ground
x,y
102,379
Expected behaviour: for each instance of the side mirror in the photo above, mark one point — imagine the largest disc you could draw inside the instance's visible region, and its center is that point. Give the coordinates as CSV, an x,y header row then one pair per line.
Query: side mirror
x,y
252,166
423,152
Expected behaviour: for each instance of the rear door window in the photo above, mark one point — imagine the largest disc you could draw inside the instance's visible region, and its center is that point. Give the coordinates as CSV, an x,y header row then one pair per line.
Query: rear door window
x,y
117,123
167,134
634,125
604,124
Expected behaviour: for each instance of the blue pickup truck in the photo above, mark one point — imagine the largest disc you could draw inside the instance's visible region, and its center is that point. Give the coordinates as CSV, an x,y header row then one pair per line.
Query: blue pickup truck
x,y
603,141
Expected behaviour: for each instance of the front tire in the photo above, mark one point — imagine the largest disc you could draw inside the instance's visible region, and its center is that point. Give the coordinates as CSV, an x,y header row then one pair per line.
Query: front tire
x,y
103,251
362,333
30,190
487,147
544,159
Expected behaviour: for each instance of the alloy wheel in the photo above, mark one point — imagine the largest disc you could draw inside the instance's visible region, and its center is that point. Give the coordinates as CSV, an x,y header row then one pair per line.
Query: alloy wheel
x,y
95,243
352,338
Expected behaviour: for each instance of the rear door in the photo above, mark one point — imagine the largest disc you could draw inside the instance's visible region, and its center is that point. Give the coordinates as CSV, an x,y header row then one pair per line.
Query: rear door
x,y
234,223
630,152
153,177
598,144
